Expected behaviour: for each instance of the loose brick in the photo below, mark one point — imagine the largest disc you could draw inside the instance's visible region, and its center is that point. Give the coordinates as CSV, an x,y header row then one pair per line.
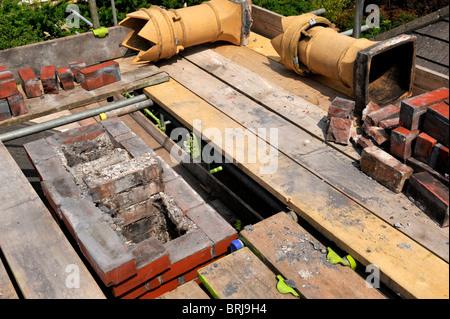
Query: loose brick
x,y
384,168
430,195
385,113
99,75
378,134
214,226
362,141
339,130
440,159
85,132
412,110
424,147
436,123
390,124
371,107
17,104
8,85
341,108
5,113
75,68
66,78
30,83
3,68
402,142
419,167
49,80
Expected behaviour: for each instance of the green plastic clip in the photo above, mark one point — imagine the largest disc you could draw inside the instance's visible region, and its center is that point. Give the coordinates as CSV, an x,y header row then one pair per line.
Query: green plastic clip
x,y
100,32
334,258
284,288
215,170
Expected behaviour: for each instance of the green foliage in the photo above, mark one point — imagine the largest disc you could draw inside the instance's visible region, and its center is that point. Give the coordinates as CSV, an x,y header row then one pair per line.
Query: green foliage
x,y
24,24
335,9
286,7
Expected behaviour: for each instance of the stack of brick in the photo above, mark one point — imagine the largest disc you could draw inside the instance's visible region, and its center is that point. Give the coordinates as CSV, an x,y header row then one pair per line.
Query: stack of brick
x,y
11,100
417,136
111,208
340,123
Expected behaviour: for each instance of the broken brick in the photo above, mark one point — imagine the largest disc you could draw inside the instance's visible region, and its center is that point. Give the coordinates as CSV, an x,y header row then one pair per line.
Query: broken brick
x,y
430,195
385,113
401,142
440,159
390,124
371,107
99,75
341,108
339,130
49,80
30,83
436,123
8,85
412,110
75,67
378,134
424,147
365,141
17,104
66,78
5,113
384,168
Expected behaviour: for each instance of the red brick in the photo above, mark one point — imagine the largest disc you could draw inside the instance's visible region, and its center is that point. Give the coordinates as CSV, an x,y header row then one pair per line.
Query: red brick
x,y
430,195
362,141
49,80
436,123
385,113
75,67
440,159
378,134
384,168
125,176
5,112
3,68
142,289
8,85
66,78
99,75
85,132
187,252
390,124
401,142
30,83
173,284
339,130
183,194
412,110
214,226
419,167
371,107
424,147
341,108
17,104
151,260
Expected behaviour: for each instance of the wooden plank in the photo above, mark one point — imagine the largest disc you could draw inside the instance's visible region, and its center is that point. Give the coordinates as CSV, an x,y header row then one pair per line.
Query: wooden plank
x,y
316,156
435,51
429,80
278,100
60,52
413,272
439,30
240,275
38,254
65,100
189,290
294,253
266,22
7,290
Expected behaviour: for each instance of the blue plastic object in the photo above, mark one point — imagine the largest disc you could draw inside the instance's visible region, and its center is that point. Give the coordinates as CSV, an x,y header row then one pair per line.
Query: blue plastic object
x,y
235,245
